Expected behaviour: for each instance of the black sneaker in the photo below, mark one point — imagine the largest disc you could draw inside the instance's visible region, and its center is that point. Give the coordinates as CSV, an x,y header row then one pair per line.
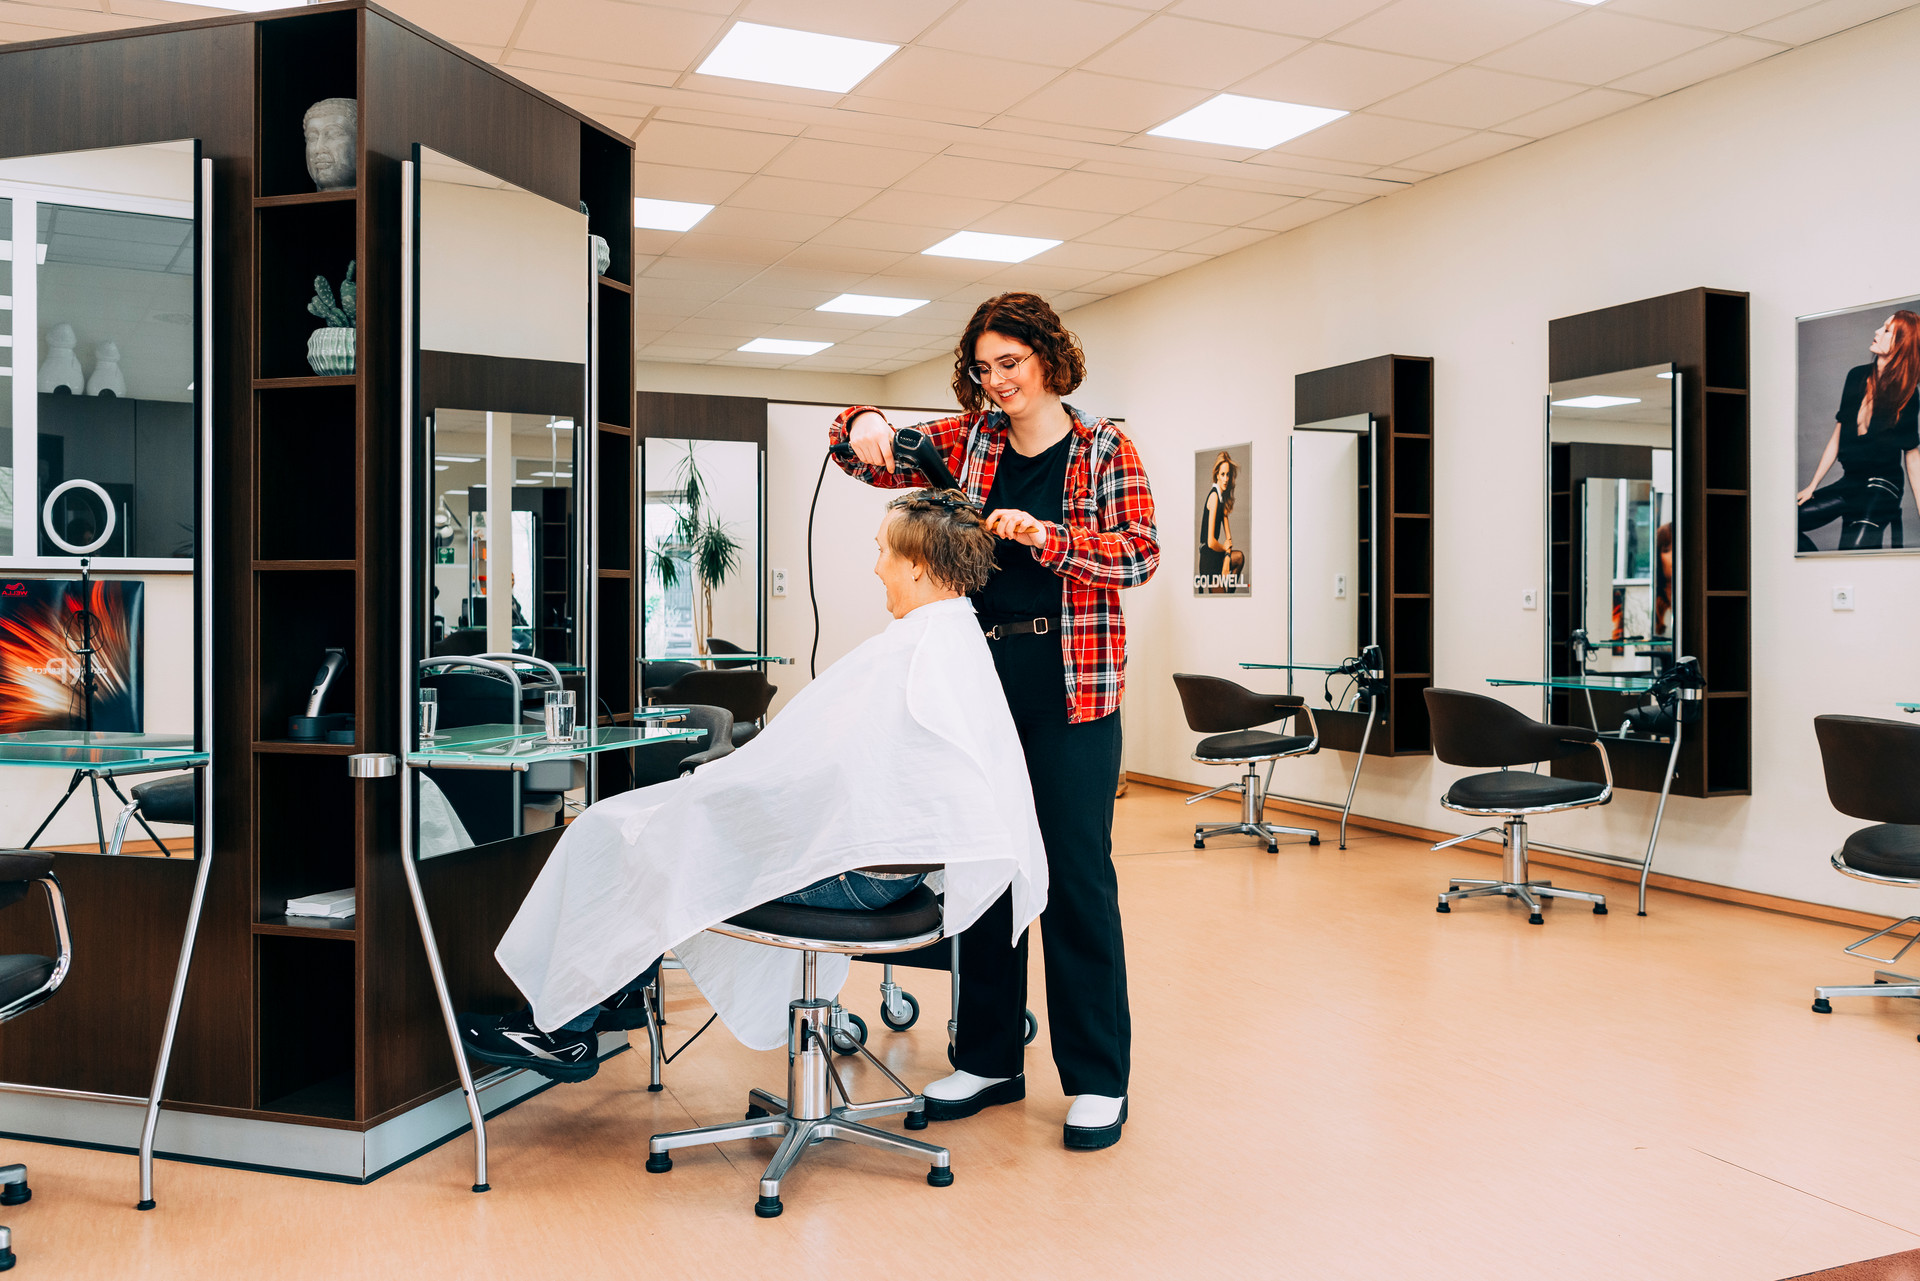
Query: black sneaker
x,y
514,1041
626,1011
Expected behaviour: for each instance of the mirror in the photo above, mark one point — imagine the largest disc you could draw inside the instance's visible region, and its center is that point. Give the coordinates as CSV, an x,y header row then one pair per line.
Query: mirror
x,y
499,549
1331,541
101,455
701,533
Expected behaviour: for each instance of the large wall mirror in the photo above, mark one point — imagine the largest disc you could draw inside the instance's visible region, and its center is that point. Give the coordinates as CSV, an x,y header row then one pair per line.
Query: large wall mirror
x,y
1331,542
104,450
701,537
1613,539
499,544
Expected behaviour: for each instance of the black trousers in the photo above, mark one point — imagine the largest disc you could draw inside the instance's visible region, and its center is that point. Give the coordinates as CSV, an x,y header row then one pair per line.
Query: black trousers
x,y
1074,769
1864,505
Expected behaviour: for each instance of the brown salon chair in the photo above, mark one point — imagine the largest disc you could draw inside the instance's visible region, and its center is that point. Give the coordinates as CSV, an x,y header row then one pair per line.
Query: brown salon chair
x,y
26,982
1229,714
1480,732
1870,766
746,693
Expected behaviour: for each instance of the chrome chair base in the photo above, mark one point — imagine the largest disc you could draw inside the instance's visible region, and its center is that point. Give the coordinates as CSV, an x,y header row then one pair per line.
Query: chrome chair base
x,y
1516,883
808,1114
1252,811
1885,983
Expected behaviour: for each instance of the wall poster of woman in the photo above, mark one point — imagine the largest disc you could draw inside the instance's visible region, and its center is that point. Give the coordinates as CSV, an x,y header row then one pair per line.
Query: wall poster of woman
x,y
1858,430
1222,481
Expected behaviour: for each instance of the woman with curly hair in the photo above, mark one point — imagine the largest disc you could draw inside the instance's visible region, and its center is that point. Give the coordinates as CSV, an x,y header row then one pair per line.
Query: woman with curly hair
x,y
1876,430
1069,500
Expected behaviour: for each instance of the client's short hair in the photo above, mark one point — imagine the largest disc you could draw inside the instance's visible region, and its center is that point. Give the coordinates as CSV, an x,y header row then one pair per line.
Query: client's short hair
x,y
943,533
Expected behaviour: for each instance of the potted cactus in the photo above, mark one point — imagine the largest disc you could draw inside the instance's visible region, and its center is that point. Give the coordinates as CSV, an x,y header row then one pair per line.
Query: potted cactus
x,y
330,350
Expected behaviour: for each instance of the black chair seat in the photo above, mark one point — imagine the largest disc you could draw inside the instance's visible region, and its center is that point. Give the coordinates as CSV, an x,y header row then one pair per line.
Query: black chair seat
x,y
1248,743
22,974
916,914
167,800
1508,790
1886,849
24,865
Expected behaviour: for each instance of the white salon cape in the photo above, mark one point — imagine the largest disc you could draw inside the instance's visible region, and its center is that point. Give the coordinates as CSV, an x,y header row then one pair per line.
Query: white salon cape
x,y
903,752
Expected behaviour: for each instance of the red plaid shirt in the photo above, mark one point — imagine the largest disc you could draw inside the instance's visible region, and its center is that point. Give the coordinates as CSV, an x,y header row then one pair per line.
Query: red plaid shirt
x,y
1108,541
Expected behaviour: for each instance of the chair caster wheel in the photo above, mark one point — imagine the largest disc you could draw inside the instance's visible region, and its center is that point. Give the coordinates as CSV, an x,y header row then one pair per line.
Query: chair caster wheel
x,y
940,1176
915,1121
19,1194
7,1260
655,1089
483,1187
1444,907
755,1112
144,1205
1821,1005
768,1207
1536,919
1199,844
1313,840
661,1162
1273,849
1599,909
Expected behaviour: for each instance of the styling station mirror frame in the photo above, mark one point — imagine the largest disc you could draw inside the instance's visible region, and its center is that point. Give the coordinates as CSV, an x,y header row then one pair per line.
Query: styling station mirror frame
x,y
132,218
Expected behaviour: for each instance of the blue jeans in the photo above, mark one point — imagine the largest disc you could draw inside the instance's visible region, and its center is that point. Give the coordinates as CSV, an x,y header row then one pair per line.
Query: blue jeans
x,y
854,891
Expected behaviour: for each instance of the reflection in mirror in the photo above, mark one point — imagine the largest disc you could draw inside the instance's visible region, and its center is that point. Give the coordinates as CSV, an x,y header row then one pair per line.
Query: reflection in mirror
x,y
499,535
99,476
701,540
1330,544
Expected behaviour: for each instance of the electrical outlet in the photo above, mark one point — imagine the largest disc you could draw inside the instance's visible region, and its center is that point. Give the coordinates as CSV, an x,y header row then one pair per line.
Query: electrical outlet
x,y
1339,586
1843,598
1530,598
779,582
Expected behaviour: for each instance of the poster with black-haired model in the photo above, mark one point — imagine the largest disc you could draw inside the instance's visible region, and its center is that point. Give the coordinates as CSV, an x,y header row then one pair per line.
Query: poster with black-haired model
x,y
1858,429
1223,555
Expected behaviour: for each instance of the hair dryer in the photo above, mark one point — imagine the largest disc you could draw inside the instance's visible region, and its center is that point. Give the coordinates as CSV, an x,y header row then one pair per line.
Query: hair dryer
x,y
330,667
914,449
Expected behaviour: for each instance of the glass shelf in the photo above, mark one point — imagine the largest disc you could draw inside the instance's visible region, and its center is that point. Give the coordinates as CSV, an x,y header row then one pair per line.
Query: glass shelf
x,y
102,751
715,658
1293,667
1598,683
503,746
1631,642
1908,708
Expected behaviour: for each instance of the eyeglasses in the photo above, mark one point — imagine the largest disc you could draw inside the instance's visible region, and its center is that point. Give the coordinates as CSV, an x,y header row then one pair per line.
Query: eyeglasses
x,y
1003,366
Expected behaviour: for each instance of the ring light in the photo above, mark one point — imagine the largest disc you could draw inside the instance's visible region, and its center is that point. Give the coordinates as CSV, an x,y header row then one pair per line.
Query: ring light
x,y
106,501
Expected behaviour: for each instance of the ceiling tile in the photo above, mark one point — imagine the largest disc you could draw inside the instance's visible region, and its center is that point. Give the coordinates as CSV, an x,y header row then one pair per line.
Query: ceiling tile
x,y
859,233
730,249
712,273
762,224
1397,173
837,199
1298,214
1309,18
927,114
1722,15
563,75
1183,51
819,257
1149,233
1036,220
1826,18
1456,30
1082,138
1331,75
1099,193
1102,258
921,209
685,182
1167,264
948,78
772,299
988,179
1059,34
1038,279
461,21
664,142
1374,140
1702,64
1476,98
1119,282
1467,151
634,34
1107,102
754,122
1201,203
1575,111
822,161
908,135
1233,238
653,242
895,22
1598,47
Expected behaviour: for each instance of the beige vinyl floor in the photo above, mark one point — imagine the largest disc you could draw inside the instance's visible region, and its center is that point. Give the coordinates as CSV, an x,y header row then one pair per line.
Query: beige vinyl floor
x,y
1330,1081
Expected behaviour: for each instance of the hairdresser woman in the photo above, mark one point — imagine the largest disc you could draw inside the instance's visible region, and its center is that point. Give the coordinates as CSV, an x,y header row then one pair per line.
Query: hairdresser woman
x,y
1069,501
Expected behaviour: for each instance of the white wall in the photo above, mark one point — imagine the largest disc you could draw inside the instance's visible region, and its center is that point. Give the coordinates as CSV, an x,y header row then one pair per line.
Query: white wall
x,y
502,273
1782,179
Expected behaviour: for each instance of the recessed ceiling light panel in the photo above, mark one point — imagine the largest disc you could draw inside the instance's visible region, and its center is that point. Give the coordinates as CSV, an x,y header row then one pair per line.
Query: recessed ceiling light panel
x,y
784,347
872,305
988,247
1236,121
802,59
667,215
1596,402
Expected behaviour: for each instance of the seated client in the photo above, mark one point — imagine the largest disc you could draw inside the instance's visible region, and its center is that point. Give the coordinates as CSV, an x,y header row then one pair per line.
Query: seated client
x,y
902,755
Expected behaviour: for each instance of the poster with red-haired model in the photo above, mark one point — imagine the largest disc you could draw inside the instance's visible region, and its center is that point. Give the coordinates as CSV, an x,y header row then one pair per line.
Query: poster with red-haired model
x,y
1858,428
43,636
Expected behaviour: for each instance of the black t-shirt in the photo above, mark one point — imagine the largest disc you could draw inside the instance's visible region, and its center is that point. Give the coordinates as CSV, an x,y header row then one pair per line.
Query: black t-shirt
x,y
1877,452
1023,587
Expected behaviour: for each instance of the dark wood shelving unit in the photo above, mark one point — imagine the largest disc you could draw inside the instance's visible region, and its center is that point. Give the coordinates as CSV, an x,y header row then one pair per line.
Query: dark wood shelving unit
x,y
1397,499
1703,333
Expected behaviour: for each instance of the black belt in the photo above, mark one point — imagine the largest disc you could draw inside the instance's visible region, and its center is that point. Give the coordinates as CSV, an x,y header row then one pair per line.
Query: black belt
x,y
1032,627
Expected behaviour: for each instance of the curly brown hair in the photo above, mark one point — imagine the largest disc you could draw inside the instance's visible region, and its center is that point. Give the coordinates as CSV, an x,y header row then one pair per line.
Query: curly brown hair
x,y
943,533
1024,318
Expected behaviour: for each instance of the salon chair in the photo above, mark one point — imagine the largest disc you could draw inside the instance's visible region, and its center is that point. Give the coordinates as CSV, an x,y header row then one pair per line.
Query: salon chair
x,y
1228,714
164,800
462,640
659,762
1478,732
716,646
656,676
26,982
483,691
1870,766
808,1115
746,693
